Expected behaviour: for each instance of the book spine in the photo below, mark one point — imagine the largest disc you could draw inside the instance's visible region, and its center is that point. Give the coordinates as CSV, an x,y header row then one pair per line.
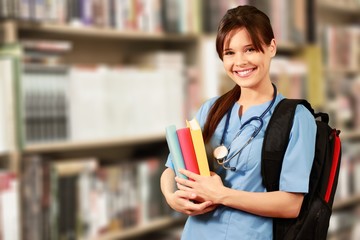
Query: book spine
x,y
200,152
199,147
175,151
187,149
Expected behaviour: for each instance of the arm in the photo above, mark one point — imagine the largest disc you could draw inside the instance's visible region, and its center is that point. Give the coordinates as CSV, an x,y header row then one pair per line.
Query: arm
x,y
268,204
180,200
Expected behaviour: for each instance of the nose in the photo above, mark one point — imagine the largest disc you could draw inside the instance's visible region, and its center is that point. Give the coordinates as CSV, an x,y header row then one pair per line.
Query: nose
x,y
240,59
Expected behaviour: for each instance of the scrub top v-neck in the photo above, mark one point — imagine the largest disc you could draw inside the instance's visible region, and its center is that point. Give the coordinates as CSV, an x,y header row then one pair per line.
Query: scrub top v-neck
x,y
228,223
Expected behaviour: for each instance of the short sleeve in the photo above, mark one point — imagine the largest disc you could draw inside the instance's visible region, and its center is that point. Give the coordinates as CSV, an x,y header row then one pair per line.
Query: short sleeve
x,y
200,116
300,153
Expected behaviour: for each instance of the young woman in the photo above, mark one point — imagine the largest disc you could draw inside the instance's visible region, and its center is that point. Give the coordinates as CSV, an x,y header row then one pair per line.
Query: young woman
x,y
232,203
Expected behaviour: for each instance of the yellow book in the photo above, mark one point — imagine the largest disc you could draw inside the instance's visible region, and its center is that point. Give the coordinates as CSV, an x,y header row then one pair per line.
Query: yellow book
x,y
199,146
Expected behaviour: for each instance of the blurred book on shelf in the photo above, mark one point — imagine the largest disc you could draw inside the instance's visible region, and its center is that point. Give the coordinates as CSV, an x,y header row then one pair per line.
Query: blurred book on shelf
x,y
290,77
349,176
6,75
87,198
341,48
93,102
171,16
9,75
9,208
45,52
45,103
124,15
115,111
344,102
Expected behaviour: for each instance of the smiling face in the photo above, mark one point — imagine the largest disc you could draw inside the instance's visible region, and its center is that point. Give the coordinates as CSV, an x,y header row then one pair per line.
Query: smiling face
x,y
247,67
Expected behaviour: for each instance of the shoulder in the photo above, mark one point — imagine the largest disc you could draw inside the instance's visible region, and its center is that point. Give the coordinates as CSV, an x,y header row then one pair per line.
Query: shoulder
x,y
303,118
302,113
304,122
208,104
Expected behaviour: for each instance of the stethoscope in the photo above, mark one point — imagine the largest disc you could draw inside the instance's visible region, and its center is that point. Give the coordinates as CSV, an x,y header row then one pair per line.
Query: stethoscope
x,y
221,152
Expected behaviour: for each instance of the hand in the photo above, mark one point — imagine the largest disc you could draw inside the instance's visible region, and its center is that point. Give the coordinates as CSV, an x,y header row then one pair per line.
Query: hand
x,y
183,202
203,188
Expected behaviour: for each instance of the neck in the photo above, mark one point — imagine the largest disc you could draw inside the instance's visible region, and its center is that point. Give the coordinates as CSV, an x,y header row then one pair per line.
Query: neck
x,y
255,96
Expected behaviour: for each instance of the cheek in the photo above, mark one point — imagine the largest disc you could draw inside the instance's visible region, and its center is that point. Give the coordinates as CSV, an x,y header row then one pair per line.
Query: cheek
x,y
227,65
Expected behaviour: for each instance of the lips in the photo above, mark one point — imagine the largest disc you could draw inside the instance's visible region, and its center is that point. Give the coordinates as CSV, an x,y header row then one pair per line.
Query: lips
x,y
245,72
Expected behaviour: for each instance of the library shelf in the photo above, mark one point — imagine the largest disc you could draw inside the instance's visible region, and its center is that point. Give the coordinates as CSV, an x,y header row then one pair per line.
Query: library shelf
x,y
348,71
160,223
3,155
83,145
349,135
346,202
339,7
105,33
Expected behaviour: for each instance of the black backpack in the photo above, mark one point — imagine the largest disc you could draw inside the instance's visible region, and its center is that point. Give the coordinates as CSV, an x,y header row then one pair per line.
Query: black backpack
x,y
313,220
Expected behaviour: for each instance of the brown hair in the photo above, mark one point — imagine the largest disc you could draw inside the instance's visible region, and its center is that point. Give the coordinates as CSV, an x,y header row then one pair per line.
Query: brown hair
x,y
259,28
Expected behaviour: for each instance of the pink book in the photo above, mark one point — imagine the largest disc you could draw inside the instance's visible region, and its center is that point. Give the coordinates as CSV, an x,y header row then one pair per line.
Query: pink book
x,y
187,149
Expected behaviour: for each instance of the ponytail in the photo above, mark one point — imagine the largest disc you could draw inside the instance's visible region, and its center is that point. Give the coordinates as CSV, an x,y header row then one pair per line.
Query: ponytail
x,y
218,111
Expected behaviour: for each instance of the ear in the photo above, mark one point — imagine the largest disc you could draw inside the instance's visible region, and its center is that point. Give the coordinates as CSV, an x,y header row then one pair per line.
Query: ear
x,y
272,48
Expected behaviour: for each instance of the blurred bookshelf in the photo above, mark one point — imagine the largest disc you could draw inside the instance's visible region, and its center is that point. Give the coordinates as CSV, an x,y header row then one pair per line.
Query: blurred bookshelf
x,y
89,86
338,28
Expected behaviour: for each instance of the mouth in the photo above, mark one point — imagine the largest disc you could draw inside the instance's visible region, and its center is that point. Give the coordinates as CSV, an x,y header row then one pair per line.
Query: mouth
x,y
245,72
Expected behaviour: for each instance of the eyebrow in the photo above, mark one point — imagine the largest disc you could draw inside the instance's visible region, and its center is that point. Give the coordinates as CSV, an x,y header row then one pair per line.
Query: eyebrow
x,y
246,46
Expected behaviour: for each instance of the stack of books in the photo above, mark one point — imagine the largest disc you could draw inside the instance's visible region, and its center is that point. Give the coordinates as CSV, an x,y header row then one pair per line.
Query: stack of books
x,y
187,148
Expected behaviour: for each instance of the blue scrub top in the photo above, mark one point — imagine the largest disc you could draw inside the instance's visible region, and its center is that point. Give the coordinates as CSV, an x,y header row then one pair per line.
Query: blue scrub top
x,y
229,223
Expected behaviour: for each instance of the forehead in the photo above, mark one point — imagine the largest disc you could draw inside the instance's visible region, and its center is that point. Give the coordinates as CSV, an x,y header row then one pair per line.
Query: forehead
x,y
240,35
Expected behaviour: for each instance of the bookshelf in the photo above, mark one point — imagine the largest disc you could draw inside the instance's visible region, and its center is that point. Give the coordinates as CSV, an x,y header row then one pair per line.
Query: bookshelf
x,y
338,28
80,148
117,47
69,146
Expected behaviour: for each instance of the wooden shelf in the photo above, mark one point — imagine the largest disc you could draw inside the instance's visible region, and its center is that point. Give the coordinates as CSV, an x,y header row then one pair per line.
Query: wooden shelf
x,y
347,135
105,33
81,145
339,7
161,223
331,71
348,202
3,154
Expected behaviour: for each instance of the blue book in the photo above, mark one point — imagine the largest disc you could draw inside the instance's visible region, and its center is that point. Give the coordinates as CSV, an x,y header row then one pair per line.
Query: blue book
x,y
175,150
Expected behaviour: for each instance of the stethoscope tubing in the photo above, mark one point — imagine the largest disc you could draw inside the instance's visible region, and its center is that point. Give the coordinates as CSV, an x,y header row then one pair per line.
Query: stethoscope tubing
x,y
225,160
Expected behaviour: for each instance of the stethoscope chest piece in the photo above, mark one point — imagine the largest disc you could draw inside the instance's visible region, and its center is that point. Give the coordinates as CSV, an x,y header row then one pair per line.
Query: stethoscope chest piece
x,y
220,153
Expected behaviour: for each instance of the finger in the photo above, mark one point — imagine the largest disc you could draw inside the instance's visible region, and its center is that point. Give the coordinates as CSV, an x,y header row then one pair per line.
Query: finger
x,y
184,182
209,209
185,194
189,174
184,188
200,206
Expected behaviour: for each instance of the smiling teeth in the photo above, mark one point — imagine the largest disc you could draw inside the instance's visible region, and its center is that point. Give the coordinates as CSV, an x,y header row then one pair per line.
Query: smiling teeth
x,y
244,73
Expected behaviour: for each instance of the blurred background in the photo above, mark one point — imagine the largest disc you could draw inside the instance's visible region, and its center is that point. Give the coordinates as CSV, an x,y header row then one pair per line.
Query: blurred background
x,y
87,88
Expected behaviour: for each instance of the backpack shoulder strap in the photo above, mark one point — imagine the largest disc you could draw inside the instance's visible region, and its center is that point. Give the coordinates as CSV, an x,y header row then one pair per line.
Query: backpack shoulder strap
x,y
276,141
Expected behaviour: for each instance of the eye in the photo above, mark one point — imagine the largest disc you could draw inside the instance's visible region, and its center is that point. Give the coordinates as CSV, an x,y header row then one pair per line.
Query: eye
x,y
250,50
228,52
